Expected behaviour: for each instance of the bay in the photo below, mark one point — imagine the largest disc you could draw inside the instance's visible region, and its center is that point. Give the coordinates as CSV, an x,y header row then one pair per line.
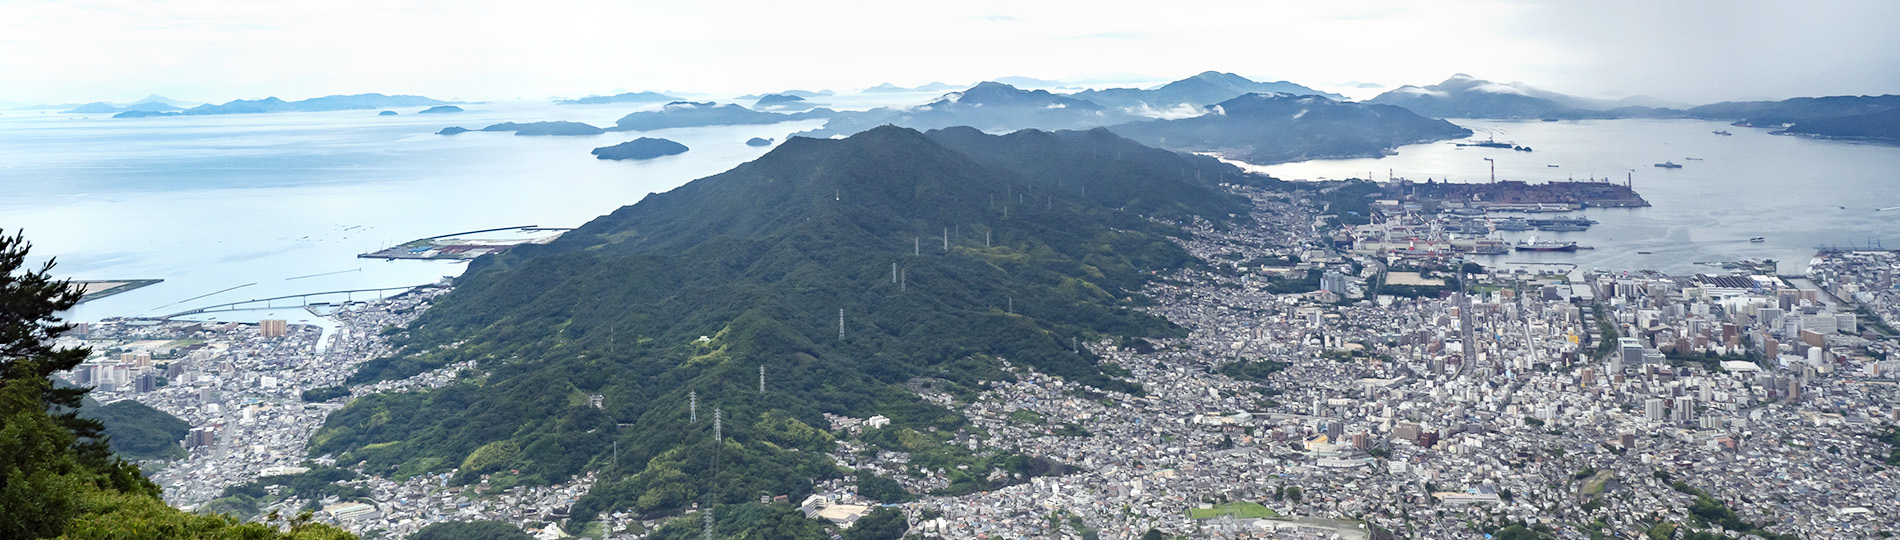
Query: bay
x,y
250,204
1798,193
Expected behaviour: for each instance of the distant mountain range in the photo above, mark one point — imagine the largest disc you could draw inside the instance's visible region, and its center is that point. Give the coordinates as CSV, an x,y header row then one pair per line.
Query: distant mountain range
x,y
152,103
1275,128
272,104
629,97
988,106
1464,96
1194,92
891,88
1845,117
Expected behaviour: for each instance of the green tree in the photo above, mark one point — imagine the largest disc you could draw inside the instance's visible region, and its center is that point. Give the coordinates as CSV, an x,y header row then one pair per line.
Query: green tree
x,y
880,524
58,476
1152,534
470,530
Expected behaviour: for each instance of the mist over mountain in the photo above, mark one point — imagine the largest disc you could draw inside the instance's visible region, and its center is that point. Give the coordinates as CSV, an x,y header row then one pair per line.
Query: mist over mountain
x,y
784,102
1276,128
806,94
628,97
1029,82
274,105
887,88
1206,88
1464,96
988,106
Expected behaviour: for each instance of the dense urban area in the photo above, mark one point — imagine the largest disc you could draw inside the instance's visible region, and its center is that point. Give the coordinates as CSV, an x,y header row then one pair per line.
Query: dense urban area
x,y
1331,384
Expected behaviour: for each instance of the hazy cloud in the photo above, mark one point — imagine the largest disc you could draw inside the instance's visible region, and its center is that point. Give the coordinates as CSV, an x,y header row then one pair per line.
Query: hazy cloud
x,y
217,50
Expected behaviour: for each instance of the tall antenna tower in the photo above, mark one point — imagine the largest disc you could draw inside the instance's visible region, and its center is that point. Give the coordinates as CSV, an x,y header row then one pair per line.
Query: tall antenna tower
x,y
917,245
986,238
946,239
761,378
718,435
708,522
692,406
840,326
893,272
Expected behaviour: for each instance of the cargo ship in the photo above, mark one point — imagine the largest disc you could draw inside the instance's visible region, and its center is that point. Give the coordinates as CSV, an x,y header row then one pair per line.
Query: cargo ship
x,y
1514,224
1669,165
1534,245
1563,227
1490,247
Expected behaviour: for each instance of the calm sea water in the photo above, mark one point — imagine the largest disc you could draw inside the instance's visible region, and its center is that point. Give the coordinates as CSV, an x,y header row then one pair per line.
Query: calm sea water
x,y
1796,192
256,201
252,203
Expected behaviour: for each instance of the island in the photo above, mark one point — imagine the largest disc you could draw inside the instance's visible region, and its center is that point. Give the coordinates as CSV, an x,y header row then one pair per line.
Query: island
x,y
440,109
386,113
758,141
639,149
556,128
273,105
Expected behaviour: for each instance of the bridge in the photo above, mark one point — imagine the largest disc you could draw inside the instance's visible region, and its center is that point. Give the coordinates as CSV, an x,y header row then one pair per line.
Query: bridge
x,y
272,302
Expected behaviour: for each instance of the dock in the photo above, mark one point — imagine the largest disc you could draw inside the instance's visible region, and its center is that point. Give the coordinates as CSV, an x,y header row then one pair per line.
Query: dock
x,y
460,246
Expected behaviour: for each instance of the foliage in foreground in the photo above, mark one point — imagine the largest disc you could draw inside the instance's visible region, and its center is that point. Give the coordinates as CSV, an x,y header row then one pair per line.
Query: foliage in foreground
x,y
58,476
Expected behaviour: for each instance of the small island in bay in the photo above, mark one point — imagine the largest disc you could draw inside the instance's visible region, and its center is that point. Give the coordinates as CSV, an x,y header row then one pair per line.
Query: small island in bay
x,y
386,113
641,148
440,109
532,128
758,141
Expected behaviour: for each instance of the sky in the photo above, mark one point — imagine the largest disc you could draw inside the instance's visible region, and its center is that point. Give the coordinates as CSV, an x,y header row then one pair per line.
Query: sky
x,y
1690,51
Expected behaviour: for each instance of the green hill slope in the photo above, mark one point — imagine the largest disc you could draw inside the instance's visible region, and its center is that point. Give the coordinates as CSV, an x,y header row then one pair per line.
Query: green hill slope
x,y
695,289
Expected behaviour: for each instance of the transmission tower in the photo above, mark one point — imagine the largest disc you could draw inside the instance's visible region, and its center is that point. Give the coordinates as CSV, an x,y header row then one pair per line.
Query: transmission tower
x,y
692,405
761,378
840,326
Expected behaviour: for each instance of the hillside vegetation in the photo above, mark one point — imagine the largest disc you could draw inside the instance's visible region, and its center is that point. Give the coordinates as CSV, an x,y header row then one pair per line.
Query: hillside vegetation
x,y
695,289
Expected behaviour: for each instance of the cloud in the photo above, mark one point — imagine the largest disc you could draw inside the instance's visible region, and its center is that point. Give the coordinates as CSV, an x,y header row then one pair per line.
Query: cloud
x,y
1123,34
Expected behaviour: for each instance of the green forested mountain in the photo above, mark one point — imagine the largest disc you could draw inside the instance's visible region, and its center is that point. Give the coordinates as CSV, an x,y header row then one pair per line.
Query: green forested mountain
x,y
1278,128
695,289
138,431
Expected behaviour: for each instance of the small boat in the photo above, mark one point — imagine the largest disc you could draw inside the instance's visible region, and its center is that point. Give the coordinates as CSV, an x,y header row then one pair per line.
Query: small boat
x,y
1669,165
1758,239
1692,159
1550,165
1642,253
1722,132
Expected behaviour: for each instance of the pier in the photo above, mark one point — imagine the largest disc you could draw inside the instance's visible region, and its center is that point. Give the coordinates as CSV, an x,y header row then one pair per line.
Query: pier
x,y
271,303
